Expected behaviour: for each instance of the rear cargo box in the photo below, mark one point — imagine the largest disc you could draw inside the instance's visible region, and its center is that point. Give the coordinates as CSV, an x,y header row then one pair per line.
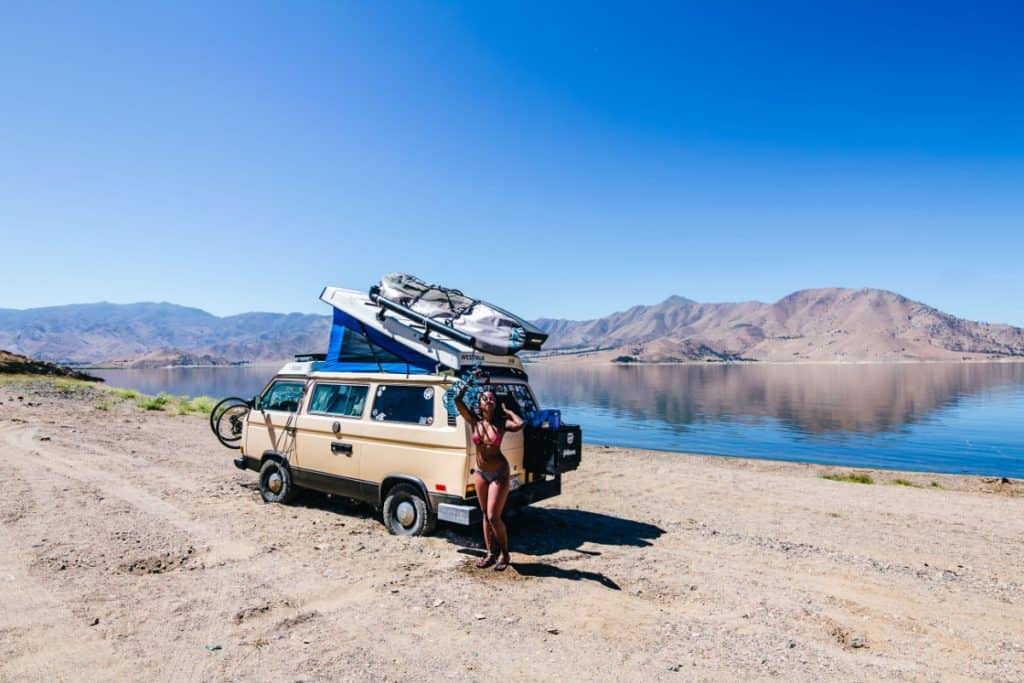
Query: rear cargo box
x,y
552,451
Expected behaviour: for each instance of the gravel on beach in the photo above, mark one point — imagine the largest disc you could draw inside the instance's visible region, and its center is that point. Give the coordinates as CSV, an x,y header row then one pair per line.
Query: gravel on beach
x,y
134,550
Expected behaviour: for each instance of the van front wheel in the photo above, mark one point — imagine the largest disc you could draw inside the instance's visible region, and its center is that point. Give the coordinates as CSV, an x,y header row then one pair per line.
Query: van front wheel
x,y
276,485
405,512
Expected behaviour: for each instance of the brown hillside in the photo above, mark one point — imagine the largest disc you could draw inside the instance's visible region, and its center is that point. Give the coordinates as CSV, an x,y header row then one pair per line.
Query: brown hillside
x,y
812,324
15,364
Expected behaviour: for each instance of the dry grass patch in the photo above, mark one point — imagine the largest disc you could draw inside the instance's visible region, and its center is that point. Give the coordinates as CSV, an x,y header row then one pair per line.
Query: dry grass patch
x,y
200,404
852,478
158,402
123,394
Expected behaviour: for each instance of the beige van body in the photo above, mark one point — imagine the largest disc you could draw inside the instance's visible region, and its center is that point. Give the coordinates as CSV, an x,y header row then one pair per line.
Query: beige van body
x,y
385,438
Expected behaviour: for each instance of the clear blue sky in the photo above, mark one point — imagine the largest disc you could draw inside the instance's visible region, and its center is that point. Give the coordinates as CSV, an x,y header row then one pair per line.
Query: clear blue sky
x,y
562,161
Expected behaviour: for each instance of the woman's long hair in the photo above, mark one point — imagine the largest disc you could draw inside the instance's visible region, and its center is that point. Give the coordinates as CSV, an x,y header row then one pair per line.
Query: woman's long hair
x,y
500,403
499,419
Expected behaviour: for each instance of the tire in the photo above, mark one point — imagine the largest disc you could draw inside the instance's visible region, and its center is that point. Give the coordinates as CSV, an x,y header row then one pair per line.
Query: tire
x,y
274,475
406,513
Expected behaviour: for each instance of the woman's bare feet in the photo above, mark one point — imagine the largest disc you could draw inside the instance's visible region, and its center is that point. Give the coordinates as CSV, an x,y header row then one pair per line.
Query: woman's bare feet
x,y
485,561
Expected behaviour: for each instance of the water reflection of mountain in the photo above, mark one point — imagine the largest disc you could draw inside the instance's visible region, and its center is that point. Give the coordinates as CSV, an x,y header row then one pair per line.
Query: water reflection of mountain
x,y
814,399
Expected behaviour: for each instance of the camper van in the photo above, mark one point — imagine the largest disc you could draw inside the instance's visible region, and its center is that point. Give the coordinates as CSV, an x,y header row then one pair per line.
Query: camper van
x,y
373,419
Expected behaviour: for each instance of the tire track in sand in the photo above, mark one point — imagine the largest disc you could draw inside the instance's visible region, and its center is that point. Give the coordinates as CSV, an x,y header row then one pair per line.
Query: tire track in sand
x,y
19,445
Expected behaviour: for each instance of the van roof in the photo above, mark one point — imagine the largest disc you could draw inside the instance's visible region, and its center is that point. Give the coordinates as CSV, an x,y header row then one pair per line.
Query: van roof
x,y
308,369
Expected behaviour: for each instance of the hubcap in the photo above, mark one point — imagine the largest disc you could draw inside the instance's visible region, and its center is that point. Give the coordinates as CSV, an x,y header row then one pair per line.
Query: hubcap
x,y
275,483
405,514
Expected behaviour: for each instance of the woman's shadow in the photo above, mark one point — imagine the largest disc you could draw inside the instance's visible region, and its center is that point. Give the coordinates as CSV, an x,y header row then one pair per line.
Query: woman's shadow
x,y
543,531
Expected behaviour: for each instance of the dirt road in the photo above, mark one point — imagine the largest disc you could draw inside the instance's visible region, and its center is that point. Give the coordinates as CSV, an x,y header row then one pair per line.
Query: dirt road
x,y
133,550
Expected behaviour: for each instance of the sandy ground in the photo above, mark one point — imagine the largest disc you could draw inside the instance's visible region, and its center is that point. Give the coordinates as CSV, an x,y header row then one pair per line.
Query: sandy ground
x,y
134,550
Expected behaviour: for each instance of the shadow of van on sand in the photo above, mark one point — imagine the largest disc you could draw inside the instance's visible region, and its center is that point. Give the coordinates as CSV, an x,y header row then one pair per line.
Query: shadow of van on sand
x,y
544,531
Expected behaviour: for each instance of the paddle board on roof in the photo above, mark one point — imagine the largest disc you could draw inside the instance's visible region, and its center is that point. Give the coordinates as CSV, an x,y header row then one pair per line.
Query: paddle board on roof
x,y
489,328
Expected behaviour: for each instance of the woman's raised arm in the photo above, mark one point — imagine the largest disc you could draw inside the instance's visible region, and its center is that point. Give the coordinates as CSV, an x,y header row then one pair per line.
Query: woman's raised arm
x,y
465,412
515,423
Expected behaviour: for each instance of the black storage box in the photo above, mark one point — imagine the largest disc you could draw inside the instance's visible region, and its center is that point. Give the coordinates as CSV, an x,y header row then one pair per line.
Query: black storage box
x,y
552,451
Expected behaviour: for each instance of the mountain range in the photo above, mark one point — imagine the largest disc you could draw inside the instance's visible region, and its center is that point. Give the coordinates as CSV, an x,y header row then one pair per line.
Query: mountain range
x,y
809,325
158,334
833,324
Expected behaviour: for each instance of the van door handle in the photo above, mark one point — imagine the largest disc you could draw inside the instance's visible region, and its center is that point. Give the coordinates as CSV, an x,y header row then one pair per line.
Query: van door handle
x,y
338,447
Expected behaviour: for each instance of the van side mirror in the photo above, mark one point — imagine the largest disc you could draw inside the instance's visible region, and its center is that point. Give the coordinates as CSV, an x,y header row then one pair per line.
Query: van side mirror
x,y
255,402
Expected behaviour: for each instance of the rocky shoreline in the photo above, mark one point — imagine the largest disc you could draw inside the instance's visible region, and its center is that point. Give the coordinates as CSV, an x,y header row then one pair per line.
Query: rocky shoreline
x,y
16,364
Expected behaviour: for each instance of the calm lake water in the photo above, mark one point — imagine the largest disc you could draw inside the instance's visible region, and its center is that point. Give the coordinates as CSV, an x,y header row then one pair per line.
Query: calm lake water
x,y
938,417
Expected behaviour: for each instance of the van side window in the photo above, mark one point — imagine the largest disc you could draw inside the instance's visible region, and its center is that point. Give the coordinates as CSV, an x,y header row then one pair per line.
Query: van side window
x,y
397,403
282,396
345,400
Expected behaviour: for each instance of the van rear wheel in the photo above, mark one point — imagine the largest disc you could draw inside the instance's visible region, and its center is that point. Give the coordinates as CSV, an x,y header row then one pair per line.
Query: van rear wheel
x,y
276,485
406,513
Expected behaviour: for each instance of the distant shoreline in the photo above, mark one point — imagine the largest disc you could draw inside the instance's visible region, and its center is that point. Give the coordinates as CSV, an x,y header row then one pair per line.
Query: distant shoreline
x,y
903,361
568,359
261,364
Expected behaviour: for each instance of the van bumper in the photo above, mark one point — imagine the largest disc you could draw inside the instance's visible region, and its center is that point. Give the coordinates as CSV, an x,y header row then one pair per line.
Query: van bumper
x,y
459,513
244,462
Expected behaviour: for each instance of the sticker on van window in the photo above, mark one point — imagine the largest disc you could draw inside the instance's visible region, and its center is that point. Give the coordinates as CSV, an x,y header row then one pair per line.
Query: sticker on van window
x,y
428,393
430,420
380,390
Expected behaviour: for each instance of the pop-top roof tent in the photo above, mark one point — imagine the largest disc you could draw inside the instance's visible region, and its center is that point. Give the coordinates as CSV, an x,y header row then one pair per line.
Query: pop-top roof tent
x,y
372,333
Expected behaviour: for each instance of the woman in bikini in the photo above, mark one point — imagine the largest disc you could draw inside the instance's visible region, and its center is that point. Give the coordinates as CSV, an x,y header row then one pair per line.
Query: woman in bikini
x,y
491,474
